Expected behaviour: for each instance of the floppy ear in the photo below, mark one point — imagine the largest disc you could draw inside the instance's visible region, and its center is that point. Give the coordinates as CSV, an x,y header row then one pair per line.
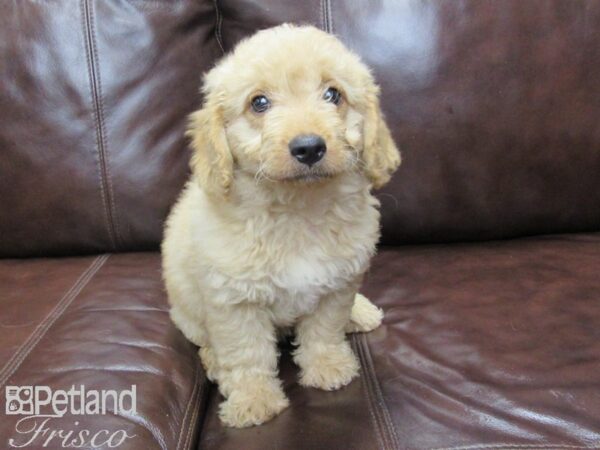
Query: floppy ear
x,y
212,162
380,155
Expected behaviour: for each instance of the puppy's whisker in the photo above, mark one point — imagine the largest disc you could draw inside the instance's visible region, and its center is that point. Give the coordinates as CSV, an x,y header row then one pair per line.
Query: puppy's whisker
x,y
261,174
266,177
257,176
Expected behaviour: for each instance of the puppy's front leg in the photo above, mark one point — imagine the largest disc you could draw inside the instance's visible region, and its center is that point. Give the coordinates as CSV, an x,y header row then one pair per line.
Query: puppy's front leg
x,y
324,355
245,346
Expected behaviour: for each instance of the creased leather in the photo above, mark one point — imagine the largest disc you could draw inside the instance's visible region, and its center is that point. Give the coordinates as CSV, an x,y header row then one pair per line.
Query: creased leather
x,y
113,332
490,343
94,98
492,103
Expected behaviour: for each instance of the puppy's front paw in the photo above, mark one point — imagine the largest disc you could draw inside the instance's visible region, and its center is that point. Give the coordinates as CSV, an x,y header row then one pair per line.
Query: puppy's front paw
x,y
329,368
365,316
253,404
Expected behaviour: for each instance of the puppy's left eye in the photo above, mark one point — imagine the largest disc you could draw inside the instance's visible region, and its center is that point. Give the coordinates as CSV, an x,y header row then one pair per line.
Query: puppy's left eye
x,y
332,95
260,103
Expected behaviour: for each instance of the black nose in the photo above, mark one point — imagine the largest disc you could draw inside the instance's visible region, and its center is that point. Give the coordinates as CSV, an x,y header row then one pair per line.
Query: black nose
x,y
308,148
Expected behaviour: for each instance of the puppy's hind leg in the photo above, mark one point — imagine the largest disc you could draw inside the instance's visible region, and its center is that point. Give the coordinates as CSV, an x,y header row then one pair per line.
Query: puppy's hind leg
x,y
209,362
195,333
365,316
189,325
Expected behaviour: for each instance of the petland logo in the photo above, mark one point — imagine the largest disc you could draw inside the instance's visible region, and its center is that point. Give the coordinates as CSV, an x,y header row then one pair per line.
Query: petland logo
x,y
39,405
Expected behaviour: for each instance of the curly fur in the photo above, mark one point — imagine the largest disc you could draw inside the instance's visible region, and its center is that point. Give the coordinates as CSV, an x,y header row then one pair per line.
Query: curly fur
x,y
258,242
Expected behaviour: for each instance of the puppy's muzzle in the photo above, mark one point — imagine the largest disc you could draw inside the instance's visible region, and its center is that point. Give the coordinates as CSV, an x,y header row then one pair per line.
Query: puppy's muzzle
x,y
308,149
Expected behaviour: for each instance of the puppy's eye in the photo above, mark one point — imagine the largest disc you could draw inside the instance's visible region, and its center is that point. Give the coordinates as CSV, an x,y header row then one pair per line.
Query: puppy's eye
x,y
332,95
260,103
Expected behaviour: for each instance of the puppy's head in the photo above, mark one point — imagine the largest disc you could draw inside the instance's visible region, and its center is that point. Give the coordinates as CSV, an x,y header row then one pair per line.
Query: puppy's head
x,y
290,104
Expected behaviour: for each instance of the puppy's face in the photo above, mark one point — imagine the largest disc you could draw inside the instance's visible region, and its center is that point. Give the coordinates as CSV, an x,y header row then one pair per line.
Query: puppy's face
x,y
293,125
290,104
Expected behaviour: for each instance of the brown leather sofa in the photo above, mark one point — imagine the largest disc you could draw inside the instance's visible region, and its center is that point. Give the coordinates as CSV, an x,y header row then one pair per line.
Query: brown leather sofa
x,y
489,269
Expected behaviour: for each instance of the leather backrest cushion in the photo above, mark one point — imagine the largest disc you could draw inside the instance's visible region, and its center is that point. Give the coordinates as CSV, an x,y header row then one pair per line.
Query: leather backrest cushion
x,y
493,104
94,97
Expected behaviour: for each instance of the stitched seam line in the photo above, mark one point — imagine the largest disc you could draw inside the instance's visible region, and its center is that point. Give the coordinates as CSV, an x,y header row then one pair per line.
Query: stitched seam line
x,y
91,81
326,12
378,394
183,444
219,26
194,420
22,353
106,189
325,22
388,429
517,446
370,402
330,16
376,425
204,401
102,128
321,16
191,426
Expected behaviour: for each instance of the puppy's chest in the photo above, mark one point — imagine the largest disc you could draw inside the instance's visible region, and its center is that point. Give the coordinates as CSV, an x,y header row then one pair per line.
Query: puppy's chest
x,y
311,263
306,256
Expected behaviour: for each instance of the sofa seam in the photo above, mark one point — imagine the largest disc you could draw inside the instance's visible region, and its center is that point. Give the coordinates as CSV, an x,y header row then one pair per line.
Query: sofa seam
x,y
219,26
379,405
40,331
102,128
330,16
191,427
324,13
193,420
106,186
111,236
321,16
380,421
384,409
376,425
203,402
187,410
379,394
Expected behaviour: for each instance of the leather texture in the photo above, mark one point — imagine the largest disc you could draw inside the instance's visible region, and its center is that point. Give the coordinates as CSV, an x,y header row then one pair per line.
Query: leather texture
x,y
491,344
492,104
489,101
485,345
101,322
94,97
315,419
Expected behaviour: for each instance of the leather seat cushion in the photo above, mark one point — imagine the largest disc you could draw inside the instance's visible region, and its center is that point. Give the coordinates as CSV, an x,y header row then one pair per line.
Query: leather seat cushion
x,y
488,345
101,322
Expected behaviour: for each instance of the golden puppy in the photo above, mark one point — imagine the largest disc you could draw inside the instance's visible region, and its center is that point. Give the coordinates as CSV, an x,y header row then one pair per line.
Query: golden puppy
x,y
277,225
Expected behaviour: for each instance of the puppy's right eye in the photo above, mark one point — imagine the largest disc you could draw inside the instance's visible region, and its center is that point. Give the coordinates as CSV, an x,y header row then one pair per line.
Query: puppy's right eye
x,y
260,103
